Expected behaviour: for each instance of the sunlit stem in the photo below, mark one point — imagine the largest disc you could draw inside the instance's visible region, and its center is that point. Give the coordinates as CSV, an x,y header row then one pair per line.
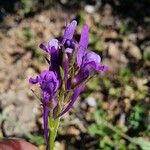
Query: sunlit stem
x,y
53,127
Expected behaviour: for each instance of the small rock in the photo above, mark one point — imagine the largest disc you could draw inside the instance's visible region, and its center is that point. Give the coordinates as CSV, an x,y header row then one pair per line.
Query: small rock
x,y
107,10
41,18
93,8
110,34
115,53
133,37
91,101
122,119
89,8
73,131
58,145
135,51
7,98
132,49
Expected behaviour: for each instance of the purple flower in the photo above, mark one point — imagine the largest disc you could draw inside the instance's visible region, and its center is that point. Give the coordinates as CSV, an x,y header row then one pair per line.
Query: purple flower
x,y
52,46
49,84
89,62
55,52
92,62
70,65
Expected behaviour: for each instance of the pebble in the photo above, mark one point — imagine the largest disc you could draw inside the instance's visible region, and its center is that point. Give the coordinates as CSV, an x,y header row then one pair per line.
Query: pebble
x,y
91,101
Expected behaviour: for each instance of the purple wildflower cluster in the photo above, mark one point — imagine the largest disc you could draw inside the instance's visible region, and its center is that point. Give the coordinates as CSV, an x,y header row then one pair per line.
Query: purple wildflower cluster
x,y
70,67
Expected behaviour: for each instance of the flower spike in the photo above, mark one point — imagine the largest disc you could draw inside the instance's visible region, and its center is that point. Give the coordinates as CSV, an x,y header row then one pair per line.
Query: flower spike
x,y
70,66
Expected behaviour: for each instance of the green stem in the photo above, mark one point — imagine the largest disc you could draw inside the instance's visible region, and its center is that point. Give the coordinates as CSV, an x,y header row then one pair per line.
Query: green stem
x,y
53,127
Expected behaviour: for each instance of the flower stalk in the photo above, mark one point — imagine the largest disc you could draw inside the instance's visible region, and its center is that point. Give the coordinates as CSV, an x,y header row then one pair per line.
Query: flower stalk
x,y
53,128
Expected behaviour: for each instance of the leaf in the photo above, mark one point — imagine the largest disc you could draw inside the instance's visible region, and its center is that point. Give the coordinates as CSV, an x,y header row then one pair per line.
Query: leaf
x,y
93,130
145,145
36,139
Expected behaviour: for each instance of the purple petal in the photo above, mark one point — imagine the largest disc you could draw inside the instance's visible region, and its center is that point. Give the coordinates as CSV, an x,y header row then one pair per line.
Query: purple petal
x,y
34,80
43,47
84,39
72,101
102,68
83,44
52,44
91,61
90,67
56,59
48,81
69,31
91,56
69,44
45,96
46,75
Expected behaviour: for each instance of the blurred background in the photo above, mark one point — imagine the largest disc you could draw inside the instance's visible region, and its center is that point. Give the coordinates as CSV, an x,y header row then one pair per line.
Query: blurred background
x,y
114,111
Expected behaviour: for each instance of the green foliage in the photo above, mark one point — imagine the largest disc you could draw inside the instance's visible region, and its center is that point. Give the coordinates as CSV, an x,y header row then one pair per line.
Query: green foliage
x,y
27,6
95,42
115,92
97,128
146,55
136,117
148,130
125,74
28,34
30,44
35,139
82,18
107,83
93,84
111,136
124,27
145,145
